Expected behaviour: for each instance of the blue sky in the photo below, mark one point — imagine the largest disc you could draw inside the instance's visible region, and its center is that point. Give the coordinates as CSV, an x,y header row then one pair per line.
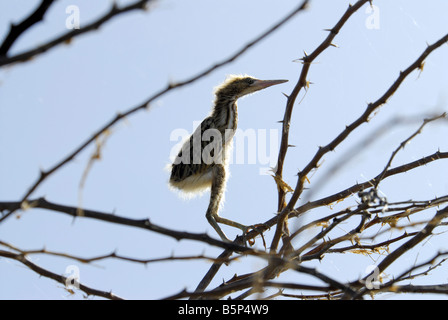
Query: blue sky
x,y
50,105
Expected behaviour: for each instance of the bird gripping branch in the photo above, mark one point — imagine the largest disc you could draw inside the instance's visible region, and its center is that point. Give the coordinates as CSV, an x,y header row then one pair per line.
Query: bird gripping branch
x,y
202,162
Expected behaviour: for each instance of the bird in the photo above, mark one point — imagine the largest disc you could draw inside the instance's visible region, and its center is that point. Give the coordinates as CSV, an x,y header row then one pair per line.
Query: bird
x,y
202,162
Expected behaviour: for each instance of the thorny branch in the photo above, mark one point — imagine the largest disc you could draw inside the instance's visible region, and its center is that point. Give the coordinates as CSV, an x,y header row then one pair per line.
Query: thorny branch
x,y
145,224
307,60
404,143
395,234
313,164
405,247
288,211
16,31
112,255
59,278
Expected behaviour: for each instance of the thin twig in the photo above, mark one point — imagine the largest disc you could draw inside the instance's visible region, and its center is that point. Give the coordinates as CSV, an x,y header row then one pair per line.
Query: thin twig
x,y
112,255
59,278
67,37
16,30
403,144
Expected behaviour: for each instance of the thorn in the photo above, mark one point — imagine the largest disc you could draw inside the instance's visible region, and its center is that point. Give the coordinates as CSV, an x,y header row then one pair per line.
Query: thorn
x,y
114,7
334,45
421,66
42,173
307,84
287,97
171,85
291,146
281,121
301,60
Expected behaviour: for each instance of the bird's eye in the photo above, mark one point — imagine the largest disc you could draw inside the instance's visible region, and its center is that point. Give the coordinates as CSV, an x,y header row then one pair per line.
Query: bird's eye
x,y
250,80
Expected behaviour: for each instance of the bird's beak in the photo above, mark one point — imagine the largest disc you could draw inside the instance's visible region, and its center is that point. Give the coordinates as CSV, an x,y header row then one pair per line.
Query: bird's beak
x,y
262,84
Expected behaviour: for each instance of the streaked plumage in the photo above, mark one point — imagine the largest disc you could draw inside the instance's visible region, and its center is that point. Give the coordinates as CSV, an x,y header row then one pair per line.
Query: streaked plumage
x,y
202,161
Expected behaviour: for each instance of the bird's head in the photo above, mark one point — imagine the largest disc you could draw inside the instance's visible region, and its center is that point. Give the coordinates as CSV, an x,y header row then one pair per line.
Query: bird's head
x,y
238,86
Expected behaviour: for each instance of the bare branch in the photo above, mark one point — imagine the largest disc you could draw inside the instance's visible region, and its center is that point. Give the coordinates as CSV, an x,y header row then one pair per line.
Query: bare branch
x,y
59,278
368,184
362,119
363,144
404,143
302,83
408,245
141,223
112,255
424,233
113,12
16,31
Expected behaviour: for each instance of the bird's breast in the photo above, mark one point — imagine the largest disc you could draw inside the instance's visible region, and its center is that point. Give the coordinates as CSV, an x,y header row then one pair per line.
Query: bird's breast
x,y
231,122
232,117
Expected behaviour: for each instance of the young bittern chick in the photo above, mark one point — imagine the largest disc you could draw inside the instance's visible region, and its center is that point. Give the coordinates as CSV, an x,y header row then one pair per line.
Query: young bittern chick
x,y
202,162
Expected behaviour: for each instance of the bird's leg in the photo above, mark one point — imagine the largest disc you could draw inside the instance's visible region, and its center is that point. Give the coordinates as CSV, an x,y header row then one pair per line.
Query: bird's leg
x,y
217,191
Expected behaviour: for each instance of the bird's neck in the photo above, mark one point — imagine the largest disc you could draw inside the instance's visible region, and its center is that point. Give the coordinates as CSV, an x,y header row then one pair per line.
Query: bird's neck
x,y
225,112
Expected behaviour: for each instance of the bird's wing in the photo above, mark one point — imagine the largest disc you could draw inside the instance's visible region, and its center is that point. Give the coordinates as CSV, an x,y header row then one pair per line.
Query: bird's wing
x,y
199,152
